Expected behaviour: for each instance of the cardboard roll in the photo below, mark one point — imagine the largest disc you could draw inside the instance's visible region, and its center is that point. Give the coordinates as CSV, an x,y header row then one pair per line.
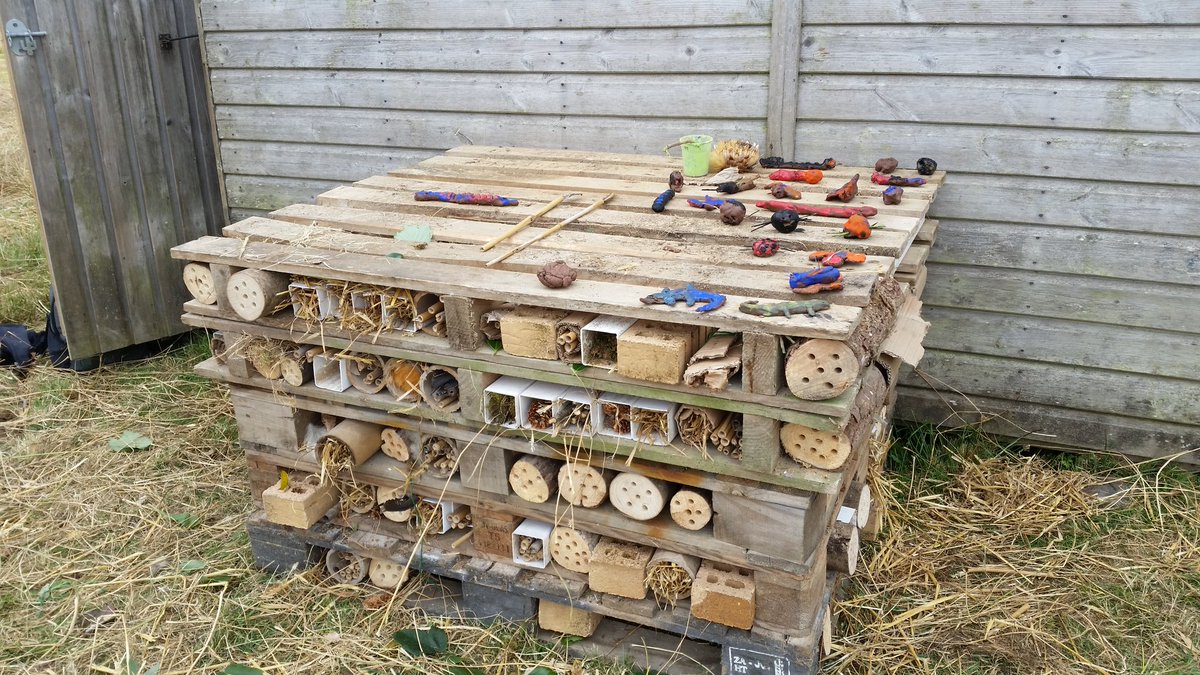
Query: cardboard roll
x,y
572,548
351,442
583,485
820,369
395,445
637,496
441,455
403,379
690,510
254,294
198,279
345,567
296,368
395,504
439,388
366,373
534,479
822,449
386,574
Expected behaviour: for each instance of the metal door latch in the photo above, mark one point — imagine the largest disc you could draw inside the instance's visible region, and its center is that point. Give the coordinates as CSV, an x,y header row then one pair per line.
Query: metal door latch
x,y
20,39
166,40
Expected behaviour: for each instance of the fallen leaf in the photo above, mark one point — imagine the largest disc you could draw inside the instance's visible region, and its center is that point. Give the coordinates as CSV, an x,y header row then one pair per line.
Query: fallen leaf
x,y
186,520
190,566
129,441
48,591
425,641
236,669
419,234
95,619
376,601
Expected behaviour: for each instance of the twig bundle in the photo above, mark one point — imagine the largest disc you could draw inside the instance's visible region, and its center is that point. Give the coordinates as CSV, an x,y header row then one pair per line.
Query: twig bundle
x,y
578,419
529,548
397,305
356,497
427,516
303,299
669,576
617,417
652,425
367,318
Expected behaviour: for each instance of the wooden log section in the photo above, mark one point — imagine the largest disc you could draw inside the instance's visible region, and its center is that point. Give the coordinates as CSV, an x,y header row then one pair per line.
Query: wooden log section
x,y
403,379
637,496
439,388
366,372
534,479
345,567
199,281
858,497
843,546
386,574
296,368
254,294
395,445
829,450
440,454
572,548
691,510
395,504
582,485
820,369
669,576
348,444
876,320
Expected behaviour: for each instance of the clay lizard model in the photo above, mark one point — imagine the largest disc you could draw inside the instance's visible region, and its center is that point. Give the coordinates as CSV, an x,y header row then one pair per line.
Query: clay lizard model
x,y
690,295
787,308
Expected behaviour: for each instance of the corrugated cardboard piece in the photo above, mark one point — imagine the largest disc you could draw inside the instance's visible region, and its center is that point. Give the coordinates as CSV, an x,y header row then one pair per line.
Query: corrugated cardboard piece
x,y
905,341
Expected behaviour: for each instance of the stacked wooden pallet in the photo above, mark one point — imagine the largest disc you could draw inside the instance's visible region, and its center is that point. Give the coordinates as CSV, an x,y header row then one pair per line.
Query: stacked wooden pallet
x,y
572,452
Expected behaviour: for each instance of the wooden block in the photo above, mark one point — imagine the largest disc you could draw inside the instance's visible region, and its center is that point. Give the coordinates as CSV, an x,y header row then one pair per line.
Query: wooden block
x,y
484,467
485,602
657,352
619,568
756,526
790,604
239,366
566,619
760,443
529,331
263,420
724,595
762,363
464,321
220,279
470,393
492,532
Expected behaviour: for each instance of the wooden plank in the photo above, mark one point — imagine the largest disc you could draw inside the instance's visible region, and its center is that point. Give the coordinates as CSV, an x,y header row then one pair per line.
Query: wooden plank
x,y
1059,153
305,160
830,414
1126,52
1041,425
1100,253
1094,345
264,193
489,284
1037,292
1064,12
914,260
821,233
439,130
1145,396
711,49
601,265
624,95
928,232
235,15
1101,105
783,71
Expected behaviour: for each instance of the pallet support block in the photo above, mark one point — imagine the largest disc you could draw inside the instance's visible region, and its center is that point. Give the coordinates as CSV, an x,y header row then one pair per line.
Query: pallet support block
x,y
264,420
278,551
492,532
471,384
464,318
657,352
724,595
760,443
529,332
762,363
769,529
619,568
567,619
485,602
790,604
485,467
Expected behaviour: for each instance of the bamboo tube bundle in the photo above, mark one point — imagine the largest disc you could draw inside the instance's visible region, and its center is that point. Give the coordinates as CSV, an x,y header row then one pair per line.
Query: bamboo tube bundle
x,y
394,444
530,549
439,388
198,279
397,311
460,518
572,548
395,504
534,479
669,576
568,338
638,496
403,379
691,510
366,372
254,294
356,497
302,294
431,314
727,436
695,424
345,567
296,366
583,485
348,445
441,455
386,574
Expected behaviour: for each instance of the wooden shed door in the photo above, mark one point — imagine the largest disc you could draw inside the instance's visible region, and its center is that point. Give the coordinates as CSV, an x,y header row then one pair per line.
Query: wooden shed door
x,y
119,140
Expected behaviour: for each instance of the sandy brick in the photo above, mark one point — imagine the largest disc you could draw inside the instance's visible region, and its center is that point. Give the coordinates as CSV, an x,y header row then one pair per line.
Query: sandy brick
x,y
619,568
567,619
724,595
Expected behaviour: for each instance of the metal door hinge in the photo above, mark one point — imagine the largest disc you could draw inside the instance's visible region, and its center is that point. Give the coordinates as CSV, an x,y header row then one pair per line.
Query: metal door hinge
x,y
20,39
166,40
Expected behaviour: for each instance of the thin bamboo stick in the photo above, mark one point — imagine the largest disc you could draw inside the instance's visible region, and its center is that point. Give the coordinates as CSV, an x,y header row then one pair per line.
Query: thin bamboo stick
x,y
490,244
600,202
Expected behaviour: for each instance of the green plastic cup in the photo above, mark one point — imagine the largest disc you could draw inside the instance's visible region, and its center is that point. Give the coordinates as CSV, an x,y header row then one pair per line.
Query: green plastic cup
x,y
696,149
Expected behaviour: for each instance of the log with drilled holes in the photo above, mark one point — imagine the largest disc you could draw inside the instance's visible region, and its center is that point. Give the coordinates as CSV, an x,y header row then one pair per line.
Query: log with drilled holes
x,y
637,496
534,479
583,485
691,510
198,279
572,548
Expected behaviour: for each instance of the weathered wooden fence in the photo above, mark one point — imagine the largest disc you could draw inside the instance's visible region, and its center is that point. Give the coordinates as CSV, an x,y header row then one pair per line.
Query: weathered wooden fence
x,y
1063,286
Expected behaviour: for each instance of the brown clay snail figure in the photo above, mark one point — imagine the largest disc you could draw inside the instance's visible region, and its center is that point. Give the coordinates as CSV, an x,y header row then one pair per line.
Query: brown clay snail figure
x,y
557,274
732,211
675,182
846,192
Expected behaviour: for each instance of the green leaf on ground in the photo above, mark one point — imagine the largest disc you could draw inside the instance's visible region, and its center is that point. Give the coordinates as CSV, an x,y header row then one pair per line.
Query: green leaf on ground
x,y
541,670
129,441
47,592
425,641
578,367
186,520
190,566
237,669
496,346
420,234
395,255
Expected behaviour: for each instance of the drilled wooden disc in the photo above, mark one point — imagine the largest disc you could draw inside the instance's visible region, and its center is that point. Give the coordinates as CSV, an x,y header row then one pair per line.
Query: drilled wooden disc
x,y
637,496
690,510
822,449
572,549
394,444
345,567
387,574
820,369
252,293
534,479
582,485
293,372
199,281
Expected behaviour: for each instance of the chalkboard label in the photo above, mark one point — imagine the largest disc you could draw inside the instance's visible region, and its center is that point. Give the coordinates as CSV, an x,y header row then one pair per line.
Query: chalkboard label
x,y
748,662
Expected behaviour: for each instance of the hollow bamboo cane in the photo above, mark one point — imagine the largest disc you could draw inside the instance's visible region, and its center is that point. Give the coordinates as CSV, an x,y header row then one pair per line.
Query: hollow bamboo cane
x,y
501,258
491,243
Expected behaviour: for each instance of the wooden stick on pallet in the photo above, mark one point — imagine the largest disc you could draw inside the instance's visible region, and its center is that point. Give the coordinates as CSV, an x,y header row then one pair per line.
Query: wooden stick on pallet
x,y
490,244
501,258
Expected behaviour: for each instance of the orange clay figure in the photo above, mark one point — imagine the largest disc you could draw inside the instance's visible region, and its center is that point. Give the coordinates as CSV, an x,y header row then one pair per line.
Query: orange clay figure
x,y
810,176
846,192
857,227
837,258
818,288
784,191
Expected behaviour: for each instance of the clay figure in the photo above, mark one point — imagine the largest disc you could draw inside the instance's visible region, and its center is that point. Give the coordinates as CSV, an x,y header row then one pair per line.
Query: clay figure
x,y
660,202
857,227
785,221
820,275
784,191
464,198
675,182
812,177
788,308
732,211
765,248
892,195
690,295
557,274
781,163
886,165
883,179
814,210
846,192
926,166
